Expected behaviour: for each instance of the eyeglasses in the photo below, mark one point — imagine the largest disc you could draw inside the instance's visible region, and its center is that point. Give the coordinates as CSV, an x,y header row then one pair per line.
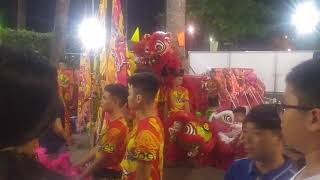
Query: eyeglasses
x,y
281,108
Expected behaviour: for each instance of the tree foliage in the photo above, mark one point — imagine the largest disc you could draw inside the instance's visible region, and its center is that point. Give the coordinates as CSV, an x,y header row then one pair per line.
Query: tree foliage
x,y
231,20
23,39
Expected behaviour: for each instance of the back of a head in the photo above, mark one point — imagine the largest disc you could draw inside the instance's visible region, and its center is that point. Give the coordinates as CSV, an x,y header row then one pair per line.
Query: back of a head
x,y
145,83
213,101
265,117
239,109
142,70
305,79
28,95
119,91
179,73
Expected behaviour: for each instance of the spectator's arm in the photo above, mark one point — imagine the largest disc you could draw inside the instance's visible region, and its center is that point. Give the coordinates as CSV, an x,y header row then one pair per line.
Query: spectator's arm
x,y
110,144
87,158
59,130
96,165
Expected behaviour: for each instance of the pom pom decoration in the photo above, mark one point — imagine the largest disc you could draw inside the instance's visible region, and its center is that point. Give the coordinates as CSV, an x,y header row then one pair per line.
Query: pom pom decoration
x,y
61,164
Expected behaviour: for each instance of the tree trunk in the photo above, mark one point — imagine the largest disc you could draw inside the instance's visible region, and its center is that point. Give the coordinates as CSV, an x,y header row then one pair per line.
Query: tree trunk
x,y
176,20
21,14
60,25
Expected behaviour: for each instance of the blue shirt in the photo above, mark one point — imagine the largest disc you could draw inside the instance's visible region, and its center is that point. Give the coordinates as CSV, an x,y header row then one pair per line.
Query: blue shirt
x,y
245,169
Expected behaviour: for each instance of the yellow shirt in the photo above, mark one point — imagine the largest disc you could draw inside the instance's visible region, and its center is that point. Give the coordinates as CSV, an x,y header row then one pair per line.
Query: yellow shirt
x,y
145,143
178,97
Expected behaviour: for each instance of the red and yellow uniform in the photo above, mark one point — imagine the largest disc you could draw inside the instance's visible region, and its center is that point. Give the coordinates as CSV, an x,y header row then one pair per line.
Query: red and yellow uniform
x,y
145,143
113,143
178,97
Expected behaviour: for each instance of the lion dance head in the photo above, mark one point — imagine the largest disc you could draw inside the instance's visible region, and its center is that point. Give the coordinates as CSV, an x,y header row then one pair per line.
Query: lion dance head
x,y
188,136
157,52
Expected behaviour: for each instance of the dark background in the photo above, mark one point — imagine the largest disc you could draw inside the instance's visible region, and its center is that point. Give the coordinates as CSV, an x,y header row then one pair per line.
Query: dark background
x,y
40,14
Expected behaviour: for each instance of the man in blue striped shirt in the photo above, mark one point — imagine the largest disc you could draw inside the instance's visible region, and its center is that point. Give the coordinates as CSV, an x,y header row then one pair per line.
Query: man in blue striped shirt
x,y
264,146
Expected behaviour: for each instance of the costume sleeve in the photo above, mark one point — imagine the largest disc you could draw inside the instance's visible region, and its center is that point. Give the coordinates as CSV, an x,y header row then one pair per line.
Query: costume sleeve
x,y
112,140
147,146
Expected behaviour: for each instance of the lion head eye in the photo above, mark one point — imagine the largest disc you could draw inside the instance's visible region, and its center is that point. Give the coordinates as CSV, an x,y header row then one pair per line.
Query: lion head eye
x,y
147,50
160,46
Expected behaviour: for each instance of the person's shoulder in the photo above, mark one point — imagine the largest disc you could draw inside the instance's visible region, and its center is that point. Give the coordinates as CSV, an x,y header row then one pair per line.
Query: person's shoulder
x,y
316,177
289,169
239,169
181,88
242,162
152,124
290,165
150,120
120,124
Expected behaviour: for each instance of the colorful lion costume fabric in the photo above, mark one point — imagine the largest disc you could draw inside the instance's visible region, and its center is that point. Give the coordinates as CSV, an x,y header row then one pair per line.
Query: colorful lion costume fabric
x,y
158,53
188,138
229,146
234,86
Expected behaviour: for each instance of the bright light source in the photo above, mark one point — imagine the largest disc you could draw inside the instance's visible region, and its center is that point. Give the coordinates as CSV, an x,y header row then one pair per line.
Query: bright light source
x,y
286,37
191,29
289,50
306,17
92,34
211,39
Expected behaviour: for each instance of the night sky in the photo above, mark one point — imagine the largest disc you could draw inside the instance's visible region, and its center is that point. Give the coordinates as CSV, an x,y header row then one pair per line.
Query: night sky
x,y
40,14
142,13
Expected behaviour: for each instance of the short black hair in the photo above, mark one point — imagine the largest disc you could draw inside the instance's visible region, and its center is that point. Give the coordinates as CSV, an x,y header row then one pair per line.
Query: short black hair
x,y
305,80
28,96
179,73
145,83
119,91
213,101
143,69
265,116
239,109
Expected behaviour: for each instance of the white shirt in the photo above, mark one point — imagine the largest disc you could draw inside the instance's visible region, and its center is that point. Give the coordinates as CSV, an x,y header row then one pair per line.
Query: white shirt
x,y
317,177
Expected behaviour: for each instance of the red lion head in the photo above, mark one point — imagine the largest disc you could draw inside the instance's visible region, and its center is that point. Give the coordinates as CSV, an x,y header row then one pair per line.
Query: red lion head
x,y
158,53
192,134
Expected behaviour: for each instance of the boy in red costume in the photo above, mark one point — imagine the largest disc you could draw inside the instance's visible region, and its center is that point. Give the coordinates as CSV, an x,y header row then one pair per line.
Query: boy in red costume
x,y
178,96
109,152
144,157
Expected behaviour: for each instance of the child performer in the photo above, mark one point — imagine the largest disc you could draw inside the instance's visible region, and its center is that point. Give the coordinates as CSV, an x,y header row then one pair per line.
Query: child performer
x,y
213,105
107,155
144,157
178,96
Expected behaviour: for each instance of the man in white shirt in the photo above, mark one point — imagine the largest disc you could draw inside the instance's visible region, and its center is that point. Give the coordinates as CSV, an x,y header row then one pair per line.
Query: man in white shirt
x,y
300,115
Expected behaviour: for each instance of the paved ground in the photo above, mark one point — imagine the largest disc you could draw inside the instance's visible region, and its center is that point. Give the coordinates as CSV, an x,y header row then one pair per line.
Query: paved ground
x,y
81,146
